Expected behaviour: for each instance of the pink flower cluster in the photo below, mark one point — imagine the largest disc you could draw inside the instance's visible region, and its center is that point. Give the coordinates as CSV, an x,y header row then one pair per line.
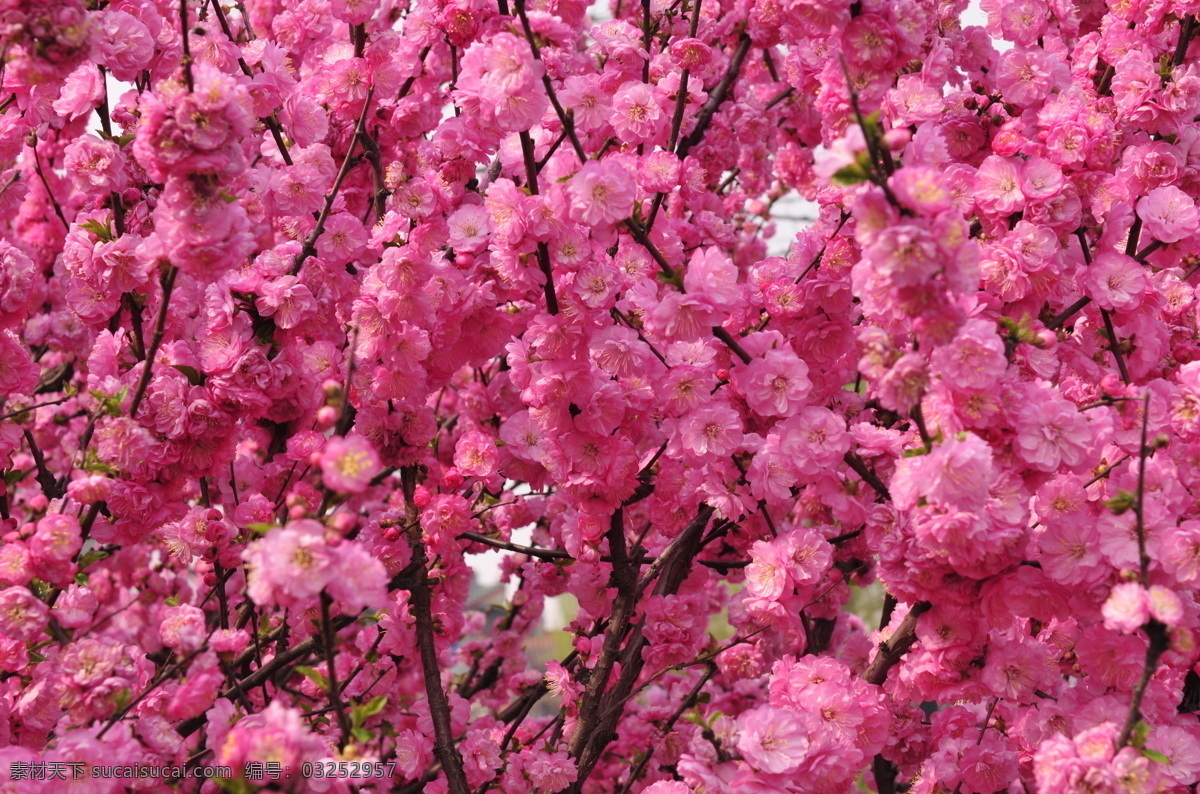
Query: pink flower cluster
x,y
316,313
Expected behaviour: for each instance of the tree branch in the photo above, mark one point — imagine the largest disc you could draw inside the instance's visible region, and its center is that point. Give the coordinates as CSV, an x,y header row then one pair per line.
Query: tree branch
x,y
439,708
891,651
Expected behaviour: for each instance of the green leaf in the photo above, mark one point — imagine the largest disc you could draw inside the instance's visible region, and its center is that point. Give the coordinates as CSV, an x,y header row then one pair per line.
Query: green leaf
x,y
314,676
35,657
1122,502
173,601
361,713
856,172
194,376
97,228
1155,755
260,528
14,476
362,735
93,556
1141,732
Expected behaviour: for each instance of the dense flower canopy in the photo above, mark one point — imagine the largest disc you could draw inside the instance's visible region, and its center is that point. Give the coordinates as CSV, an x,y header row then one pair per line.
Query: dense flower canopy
x,y
306,304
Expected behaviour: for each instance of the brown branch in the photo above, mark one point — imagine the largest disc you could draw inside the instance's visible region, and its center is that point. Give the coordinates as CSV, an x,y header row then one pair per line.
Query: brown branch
x,y
439,708
1140,504
665,729
568,123
187,52
50,486
271,122
732,344
330,651
868,476
716,98
623,579
1159,642
543,252
891,651
168,285
1114,344
310,243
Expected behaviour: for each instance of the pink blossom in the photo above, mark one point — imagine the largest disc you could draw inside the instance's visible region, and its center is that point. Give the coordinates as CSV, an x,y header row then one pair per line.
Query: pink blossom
x,y
772,739
22,615
183,628
600,193
475,454
1127,608
711,430
1116,281
348,464
775,384
1168,214
974,360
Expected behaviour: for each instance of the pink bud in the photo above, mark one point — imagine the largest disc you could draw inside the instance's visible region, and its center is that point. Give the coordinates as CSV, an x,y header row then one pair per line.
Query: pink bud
x,y
464,260
210,579
391,534
452,479
297,511
722,374
327,415
421,497
897,139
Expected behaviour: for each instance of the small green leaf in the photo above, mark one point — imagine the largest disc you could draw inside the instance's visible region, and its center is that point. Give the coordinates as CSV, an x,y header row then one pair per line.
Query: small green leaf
x,y
97,228
173,601
259,528
35,657
314,676
1122,502
369,709
1141,732
90,557
362,735
14,476
1155,755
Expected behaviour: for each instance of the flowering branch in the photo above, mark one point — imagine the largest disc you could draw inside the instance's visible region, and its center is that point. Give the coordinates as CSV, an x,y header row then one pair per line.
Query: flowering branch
x,y
892,650
439,708
160,324
717,97
310,242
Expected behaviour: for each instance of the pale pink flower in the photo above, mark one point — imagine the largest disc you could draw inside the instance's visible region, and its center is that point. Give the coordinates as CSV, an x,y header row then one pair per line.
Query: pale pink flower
x,y
1164,605
1115,281
348,464
1168,214
475,454
974,360
711,430
287,300
601,193
775,384
1127,608
637,116
772,740
183,628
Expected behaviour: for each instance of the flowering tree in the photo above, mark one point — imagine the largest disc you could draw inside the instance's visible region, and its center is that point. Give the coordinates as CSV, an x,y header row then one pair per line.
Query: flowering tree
x,y
330,296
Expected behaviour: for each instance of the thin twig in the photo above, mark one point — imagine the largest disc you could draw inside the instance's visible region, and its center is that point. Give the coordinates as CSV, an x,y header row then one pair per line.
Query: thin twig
x,y
310,243
168,285
330,651
439,708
